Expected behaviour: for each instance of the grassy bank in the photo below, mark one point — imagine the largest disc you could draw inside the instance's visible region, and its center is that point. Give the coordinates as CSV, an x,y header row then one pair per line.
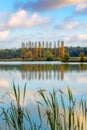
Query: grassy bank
x,y
61,111
72,59
12,59
77,59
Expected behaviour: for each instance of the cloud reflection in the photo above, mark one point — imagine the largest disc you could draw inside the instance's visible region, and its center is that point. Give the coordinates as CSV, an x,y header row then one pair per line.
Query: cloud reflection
x,y
4,83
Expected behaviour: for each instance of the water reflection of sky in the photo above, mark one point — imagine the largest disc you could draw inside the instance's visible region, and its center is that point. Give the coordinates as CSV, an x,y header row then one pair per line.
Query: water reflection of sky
x,y
44,76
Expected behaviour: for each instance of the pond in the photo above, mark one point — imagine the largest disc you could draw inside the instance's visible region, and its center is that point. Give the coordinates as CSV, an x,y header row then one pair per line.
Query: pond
x,y
42,75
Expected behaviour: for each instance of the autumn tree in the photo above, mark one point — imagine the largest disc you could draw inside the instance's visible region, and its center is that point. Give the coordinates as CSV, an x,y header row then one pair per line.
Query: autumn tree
x,y
39,50
62,51
23,45
23,50
29,55
43,49
82,56
32,48
29,45
55,49
50,46
46,46
35,52
58,49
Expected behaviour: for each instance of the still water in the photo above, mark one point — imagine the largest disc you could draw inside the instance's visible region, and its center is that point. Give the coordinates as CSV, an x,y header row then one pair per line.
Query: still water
x,y
42,75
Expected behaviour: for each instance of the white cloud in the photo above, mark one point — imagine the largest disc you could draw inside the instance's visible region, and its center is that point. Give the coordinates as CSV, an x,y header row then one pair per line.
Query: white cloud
x,y
20,20
72,38
17,19
23,19
67,25
4,35
71,25
75,40
81,8
82,36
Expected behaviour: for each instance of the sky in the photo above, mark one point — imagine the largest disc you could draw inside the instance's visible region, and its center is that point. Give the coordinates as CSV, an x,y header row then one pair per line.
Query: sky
x,y
43,20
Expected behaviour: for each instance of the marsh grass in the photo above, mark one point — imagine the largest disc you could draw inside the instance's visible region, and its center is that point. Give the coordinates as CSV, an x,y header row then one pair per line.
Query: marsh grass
x,y
14,114
61,116
58,114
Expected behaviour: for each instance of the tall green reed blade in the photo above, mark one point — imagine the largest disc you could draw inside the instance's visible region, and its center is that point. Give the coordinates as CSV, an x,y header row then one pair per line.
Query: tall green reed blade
x,y
6,118
15,91
18,95
24,94
15,114
64,112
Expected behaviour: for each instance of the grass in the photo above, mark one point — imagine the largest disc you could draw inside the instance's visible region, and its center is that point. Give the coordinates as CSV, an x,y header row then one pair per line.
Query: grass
x,y
77,59
58,114
72,59
64,117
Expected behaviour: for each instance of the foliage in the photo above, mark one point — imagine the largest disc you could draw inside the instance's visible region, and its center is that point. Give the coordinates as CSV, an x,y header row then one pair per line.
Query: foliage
x,y
66,57
48,55
14,115
23,53
29,55
62,50
59,115
38,53
81,56
35,54
10,53
75,51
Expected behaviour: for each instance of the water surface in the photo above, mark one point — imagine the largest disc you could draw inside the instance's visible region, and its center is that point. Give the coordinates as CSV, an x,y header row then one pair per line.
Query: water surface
x,y
42,75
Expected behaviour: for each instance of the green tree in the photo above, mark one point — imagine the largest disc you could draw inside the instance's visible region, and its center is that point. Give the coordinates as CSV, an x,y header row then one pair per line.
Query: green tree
x,y
82,56
29,55
66,57
48,55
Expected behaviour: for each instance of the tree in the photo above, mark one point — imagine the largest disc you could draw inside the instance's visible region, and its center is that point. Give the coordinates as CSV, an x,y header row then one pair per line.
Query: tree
x,y
62,50
48,56
39,50
66,57
82,56
43,50
23,52
35,53
29,55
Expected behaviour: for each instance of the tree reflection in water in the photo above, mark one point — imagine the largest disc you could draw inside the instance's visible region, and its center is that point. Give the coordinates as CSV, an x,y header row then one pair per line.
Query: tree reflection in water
x,y
44,71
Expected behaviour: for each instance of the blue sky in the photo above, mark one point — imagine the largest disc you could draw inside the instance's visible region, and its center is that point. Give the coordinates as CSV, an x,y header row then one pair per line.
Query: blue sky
x,y
43,20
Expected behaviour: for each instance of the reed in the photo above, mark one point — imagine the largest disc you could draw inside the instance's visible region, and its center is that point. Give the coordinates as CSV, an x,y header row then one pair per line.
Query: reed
x,y
14,114
61,111
60,116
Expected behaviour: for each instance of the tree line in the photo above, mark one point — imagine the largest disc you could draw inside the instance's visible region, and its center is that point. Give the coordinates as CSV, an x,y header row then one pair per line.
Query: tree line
x,y
48,52
10,53
75,51
42,51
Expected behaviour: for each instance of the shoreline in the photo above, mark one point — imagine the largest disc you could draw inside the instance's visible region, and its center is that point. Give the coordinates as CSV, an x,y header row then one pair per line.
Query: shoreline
x,y
22,60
